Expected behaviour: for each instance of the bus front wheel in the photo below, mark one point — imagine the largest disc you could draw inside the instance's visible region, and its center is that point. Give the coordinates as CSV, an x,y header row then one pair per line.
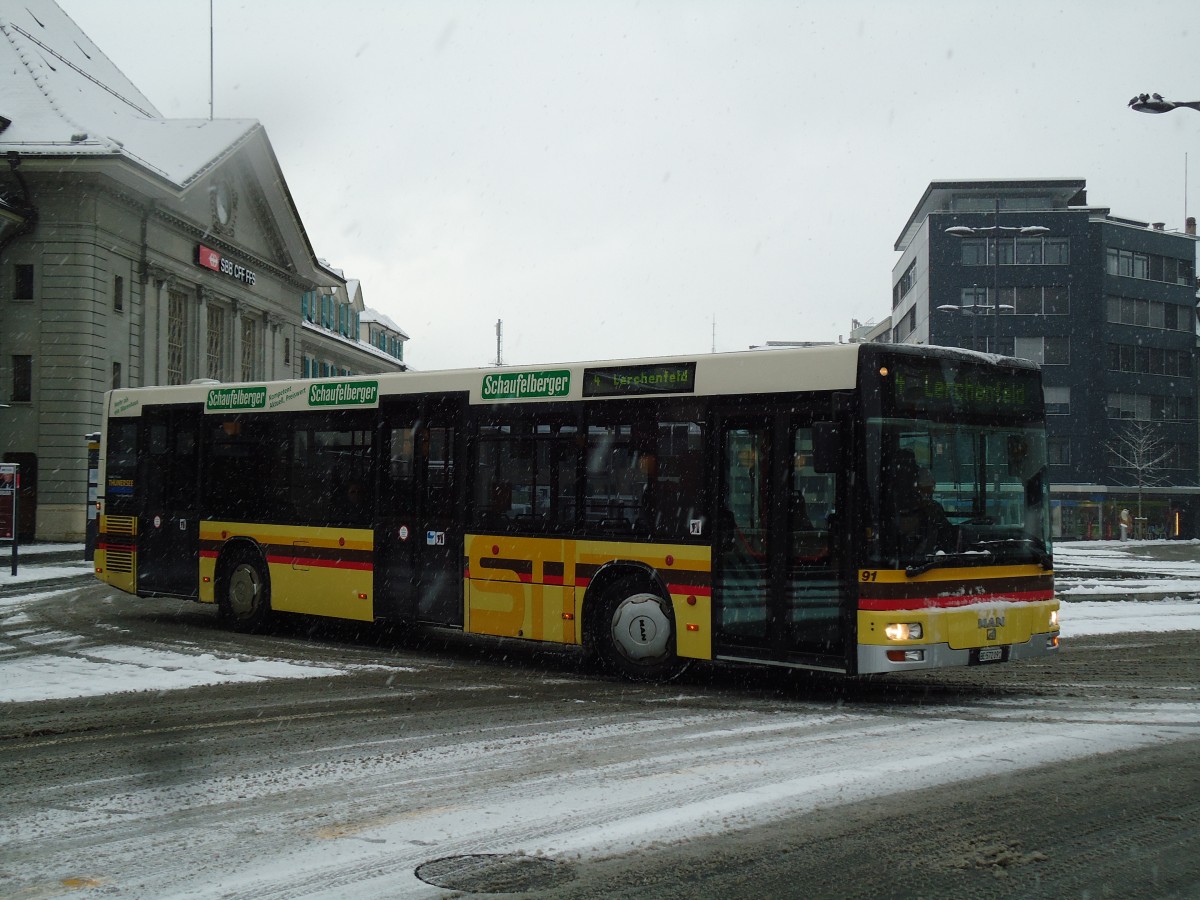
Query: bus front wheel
x,y
244,591
635,634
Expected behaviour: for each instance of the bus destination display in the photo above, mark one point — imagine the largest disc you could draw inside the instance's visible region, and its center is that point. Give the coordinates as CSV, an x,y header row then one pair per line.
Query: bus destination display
x,y
628,381
932,389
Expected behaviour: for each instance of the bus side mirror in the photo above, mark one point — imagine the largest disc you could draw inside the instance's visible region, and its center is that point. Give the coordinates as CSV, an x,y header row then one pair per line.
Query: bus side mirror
x,y
827,447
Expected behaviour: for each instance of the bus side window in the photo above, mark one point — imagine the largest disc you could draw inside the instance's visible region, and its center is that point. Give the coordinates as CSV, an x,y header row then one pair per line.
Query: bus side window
x,y
811,502
440,469
399,475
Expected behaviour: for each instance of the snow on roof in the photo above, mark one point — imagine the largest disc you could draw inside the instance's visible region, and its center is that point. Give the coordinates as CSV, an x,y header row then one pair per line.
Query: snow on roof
x,y
374,315
66,98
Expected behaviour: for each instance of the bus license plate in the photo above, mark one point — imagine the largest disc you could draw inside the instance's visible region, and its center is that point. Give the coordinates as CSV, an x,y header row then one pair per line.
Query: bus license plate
x,y
990,654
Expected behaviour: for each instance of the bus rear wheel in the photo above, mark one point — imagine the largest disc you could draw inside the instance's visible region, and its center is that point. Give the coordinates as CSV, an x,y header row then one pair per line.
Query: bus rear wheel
x,y
244,591
635,634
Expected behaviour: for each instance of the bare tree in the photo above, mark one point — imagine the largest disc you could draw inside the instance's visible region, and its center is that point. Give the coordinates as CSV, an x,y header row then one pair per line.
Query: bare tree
x,y
1138,453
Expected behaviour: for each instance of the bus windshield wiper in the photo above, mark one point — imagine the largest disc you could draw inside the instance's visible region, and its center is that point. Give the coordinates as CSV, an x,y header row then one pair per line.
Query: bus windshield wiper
x,y
945,559
1043,558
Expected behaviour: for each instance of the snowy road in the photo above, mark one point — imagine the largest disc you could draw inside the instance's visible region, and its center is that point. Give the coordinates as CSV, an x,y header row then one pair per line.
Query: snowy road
x,y
239,766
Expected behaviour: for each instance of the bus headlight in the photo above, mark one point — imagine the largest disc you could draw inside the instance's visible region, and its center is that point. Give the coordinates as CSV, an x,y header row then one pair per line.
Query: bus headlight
x,y
902,631
1054,618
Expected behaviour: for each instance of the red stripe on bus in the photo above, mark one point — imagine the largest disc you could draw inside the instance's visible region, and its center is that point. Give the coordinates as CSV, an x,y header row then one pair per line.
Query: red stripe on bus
x,y
950,602
320,563
698,590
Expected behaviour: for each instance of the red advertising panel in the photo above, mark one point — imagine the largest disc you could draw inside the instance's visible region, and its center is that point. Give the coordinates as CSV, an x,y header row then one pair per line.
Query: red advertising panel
x,y
9,482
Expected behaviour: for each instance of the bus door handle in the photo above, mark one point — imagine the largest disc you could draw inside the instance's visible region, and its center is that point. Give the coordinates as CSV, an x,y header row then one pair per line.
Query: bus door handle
x,y
299,561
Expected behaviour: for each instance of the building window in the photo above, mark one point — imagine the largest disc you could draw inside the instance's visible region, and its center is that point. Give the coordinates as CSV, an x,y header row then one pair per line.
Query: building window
x,y
1057,351
1151,407
1028,301
1007,248
1029,251
22,379
308,306
972,297
906,326
1052,300
215,351
287,351
22,282
118,293
1149,266
1058,451
1001,347
1149,313
1056,300
1058,401
1149,360
249,354
176,336
116,375
1034,251
974,252
905,284
1057,251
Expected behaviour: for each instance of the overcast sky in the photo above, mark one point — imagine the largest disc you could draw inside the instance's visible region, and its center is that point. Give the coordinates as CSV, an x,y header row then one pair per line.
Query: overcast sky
x,y
612,178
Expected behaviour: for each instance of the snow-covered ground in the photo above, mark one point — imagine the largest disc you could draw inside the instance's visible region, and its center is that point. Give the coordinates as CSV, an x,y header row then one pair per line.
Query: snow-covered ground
x,y
1129,568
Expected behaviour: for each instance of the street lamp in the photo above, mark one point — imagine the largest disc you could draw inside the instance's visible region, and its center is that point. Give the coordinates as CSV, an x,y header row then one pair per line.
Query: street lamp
x,y
1155,103
996,232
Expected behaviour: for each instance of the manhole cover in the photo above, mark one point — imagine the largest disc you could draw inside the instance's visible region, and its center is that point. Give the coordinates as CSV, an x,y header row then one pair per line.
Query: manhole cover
x,y
494,873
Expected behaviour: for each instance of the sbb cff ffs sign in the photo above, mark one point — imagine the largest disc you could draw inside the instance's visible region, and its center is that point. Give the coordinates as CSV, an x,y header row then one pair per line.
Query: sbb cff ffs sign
x,y
209,258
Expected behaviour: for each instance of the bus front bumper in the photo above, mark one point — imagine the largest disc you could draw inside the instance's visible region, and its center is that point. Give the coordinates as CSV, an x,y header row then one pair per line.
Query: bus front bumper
x,y
873,659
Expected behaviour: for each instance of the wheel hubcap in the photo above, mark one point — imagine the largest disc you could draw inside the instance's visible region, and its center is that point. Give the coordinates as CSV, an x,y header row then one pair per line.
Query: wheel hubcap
x,y
243,590
640,627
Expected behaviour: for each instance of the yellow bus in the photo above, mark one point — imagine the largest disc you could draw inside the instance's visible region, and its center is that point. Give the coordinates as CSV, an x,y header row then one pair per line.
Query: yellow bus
x,y
855,508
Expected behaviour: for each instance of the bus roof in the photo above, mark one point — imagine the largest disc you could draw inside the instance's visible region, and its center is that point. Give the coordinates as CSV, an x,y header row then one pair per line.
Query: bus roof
x,y
821,368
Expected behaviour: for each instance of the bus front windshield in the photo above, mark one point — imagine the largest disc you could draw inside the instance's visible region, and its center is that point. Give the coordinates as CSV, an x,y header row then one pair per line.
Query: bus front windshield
x,y
948,494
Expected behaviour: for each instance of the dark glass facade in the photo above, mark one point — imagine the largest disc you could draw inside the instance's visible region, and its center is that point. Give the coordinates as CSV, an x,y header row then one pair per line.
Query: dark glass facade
x,y
1107,307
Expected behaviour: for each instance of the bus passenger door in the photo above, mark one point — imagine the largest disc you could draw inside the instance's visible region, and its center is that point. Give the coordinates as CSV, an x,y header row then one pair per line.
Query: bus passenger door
x,y
777,594
743,611
419,532
440,544
398,523
814,593
168,526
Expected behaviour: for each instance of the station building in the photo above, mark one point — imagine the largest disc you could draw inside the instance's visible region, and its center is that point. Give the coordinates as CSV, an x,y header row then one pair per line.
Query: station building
x,y
139,250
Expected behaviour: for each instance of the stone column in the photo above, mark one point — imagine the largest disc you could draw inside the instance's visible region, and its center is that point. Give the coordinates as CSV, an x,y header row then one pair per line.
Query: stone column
x,y
236,311
203,297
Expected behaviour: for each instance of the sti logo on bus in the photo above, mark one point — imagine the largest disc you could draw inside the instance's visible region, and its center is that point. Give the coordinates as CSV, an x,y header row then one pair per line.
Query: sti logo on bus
x,y
225,399
344,393
519,385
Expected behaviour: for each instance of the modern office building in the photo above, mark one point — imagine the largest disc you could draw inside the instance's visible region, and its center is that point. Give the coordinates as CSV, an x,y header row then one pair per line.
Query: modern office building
x,y
138,250
1106,305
